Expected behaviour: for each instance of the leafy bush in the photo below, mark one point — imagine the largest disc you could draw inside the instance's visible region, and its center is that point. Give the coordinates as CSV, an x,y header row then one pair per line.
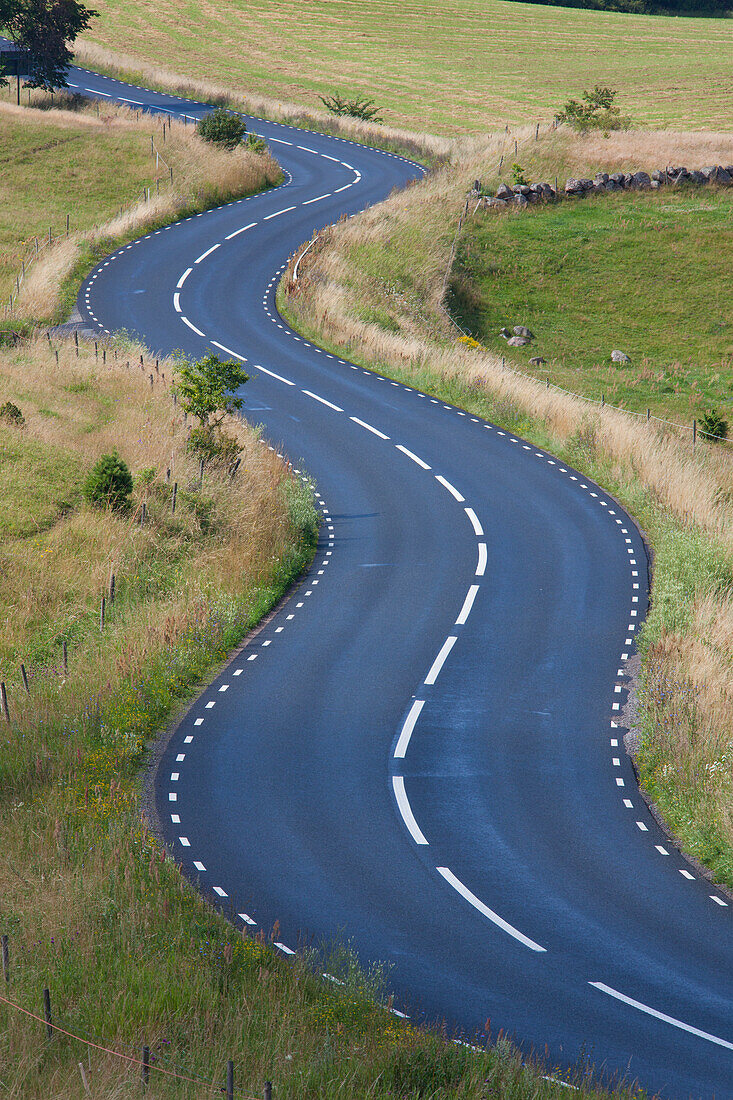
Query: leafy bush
x,y
518,176
214,446
222,128
596,110
361,107
207,388
12,414
109,483
713,426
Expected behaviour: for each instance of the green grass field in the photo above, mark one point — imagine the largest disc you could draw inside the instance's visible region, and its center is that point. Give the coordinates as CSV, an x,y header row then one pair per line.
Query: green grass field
x,y
50,168
646,273
446,68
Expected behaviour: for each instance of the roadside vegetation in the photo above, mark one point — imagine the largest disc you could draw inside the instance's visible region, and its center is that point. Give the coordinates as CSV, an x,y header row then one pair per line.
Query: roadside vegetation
x,y
644,273
94,162
448,69
373,288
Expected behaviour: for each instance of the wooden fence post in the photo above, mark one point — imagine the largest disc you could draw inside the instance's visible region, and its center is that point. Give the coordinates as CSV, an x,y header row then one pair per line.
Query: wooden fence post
x,y
230,1080
146,1066
267,1091
76,342
6,959
694,434
24,674
648,414
47,1013
4,700
65,651
112,586
102,607
175,494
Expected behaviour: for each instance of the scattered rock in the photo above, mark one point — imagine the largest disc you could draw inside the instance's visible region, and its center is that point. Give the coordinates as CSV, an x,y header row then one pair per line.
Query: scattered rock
x,y
505,333
517,341
522,330
620,357
537,361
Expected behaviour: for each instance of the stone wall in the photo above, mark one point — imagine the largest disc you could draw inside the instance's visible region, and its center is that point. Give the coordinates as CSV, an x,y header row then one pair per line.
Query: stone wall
x,y
522,194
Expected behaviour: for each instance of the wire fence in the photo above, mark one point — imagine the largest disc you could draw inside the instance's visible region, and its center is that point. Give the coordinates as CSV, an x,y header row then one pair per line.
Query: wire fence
x,y
147,1064
38,246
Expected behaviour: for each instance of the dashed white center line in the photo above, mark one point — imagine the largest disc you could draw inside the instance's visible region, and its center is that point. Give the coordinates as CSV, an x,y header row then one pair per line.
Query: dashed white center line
x,y
323,401
369,427
183,277
208,252
451,488
439,661
467,605
198,865
238,231
471,898
408,727
483,558
661,1015
477,528
414,457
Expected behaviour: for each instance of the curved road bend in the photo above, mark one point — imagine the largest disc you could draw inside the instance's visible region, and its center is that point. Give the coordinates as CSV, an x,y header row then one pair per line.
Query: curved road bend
x,y
420,748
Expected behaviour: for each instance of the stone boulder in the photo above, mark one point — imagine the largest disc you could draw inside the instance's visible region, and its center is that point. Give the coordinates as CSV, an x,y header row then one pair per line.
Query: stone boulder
x,y
537,361
504,192
522,330
722,176
641,181
517,341
574,187
697,177
601,177
620,357
521,200
619,179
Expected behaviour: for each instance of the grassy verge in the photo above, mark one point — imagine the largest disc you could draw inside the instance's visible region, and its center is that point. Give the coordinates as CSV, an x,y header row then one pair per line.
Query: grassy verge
x,y
642,272
95,166
645,273
372,289
447,68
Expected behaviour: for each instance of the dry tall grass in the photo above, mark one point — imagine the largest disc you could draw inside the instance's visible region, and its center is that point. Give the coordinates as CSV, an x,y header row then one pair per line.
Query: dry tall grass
x,y
126,67
373,287
203,175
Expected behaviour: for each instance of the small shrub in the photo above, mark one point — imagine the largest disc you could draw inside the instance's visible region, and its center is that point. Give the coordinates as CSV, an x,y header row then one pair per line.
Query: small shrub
x,y
518,177
214,446
146,476
713,426
222,128
109,483
256,144
12,414
361,107
596,110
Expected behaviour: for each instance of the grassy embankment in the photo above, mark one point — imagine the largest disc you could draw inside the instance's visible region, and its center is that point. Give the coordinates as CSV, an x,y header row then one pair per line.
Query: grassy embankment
x,y
92,907
372,289
95,168
448,68
646,273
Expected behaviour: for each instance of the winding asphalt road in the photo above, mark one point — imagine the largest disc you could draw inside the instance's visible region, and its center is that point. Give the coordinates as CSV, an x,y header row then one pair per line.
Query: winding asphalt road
x,y
421,748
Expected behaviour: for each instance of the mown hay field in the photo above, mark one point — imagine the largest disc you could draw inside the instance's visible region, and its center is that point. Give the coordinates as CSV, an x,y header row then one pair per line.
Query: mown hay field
x,y
446,68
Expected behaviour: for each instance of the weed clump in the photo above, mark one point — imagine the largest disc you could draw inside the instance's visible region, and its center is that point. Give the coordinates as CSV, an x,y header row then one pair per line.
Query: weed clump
x,y
11,414
361,107
109,483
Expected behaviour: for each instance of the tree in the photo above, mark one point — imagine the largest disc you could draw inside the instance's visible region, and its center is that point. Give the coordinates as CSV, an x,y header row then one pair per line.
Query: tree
x,y
207,389
222,128
44,28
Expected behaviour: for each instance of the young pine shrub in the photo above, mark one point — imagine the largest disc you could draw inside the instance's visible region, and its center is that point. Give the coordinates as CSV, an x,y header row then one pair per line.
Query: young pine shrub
x,y
109,483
